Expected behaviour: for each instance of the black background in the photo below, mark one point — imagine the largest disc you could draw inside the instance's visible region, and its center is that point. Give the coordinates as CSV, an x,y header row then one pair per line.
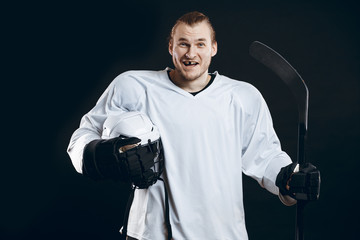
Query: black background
x,y
59,57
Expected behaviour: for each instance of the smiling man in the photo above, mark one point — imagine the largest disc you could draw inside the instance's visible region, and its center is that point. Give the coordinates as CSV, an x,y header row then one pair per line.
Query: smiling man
x,y
192,45
213,129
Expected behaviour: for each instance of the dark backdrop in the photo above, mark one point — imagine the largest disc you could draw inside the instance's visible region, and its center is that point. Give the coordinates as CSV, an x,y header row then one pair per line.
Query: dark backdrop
x,y
59,57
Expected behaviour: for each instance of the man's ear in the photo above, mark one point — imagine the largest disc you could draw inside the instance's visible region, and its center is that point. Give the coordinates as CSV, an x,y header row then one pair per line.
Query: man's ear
x,y
213,49
170,46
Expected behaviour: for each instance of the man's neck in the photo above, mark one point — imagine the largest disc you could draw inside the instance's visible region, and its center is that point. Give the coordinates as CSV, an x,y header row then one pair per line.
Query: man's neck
x,y
190,85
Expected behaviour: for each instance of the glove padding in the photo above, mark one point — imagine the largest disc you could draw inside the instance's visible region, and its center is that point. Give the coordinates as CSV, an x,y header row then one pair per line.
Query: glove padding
x,y
144,164
301,185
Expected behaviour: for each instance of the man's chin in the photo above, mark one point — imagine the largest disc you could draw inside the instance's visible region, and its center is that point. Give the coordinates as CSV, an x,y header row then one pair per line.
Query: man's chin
x,y
189,76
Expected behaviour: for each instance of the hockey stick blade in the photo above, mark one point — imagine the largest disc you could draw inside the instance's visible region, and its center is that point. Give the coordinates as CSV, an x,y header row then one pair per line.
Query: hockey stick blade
x,y
282,68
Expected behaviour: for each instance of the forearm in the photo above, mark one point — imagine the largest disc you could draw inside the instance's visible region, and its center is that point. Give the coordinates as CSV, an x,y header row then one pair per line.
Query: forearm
x,y
80,138
273,168
90,129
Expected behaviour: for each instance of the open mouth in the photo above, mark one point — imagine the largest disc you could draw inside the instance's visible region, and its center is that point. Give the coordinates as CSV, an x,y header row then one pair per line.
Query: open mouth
x,y
190,63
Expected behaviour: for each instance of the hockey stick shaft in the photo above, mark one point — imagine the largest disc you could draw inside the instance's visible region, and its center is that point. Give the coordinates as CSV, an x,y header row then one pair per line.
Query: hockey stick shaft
x,y
282,68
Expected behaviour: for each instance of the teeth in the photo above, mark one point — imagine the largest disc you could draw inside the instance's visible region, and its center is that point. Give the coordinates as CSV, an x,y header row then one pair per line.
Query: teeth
x,y
190,63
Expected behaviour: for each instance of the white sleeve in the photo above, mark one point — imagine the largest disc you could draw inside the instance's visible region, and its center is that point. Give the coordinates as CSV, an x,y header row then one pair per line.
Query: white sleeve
x,y
262,155
120,96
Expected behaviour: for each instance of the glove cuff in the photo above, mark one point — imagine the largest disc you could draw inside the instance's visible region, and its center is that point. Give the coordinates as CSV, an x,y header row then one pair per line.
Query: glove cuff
x,y
89,166
283,178
100,159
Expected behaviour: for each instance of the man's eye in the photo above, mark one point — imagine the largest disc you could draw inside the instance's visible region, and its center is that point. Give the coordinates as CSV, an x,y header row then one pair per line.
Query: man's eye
x,y
183,44
201,44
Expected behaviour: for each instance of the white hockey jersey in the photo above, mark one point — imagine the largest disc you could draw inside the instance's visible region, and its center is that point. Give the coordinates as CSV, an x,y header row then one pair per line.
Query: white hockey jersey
x,y
209,139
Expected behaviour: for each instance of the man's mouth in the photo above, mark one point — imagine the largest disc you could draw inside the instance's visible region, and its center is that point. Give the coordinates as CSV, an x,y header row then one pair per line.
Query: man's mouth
x,y
190,63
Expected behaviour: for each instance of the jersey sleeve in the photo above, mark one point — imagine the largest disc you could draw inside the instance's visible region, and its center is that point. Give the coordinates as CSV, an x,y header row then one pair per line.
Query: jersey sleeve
x,y
262,154
123,94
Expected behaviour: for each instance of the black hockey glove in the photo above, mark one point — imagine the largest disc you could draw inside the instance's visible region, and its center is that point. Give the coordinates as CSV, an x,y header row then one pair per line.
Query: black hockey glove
x,y
301,185
140,165
101,159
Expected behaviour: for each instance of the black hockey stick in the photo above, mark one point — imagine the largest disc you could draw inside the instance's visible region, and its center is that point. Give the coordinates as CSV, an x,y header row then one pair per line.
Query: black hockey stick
x,y
297,86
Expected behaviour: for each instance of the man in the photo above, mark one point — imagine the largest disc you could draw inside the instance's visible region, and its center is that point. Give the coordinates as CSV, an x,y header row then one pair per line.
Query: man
x,y
212,128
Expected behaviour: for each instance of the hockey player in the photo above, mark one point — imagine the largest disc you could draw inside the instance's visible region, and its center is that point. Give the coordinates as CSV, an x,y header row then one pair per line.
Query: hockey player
x,y
212,129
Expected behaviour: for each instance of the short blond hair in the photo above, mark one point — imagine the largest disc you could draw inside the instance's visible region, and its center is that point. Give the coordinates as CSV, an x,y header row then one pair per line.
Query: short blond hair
x,y
191,19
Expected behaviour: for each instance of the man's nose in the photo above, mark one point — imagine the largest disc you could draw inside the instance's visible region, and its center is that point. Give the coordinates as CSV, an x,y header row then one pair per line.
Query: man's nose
x,y
191,52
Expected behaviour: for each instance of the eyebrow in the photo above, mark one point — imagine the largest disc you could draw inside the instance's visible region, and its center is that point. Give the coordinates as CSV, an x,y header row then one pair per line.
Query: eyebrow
x,y
198,40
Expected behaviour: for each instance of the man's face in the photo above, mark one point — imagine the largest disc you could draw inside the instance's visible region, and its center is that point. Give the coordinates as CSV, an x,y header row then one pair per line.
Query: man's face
x,y
192,49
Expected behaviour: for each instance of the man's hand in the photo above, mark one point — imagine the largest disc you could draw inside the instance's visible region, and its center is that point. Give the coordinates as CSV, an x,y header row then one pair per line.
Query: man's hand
x,y
300,185
101,158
